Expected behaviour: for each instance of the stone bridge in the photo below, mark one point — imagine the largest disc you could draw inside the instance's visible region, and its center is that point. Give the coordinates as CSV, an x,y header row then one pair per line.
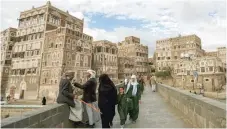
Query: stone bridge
x,y
166,108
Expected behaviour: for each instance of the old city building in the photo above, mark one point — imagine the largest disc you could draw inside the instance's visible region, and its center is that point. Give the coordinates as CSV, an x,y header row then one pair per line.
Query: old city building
x,y
105,58
33,46
131,47
210,53
221,53
187,60
7,42
126,67
64,49
27,52
170,50
202,72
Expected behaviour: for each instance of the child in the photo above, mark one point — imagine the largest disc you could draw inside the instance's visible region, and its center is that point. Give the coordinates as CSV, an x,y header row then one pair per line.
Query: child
x,y
122,106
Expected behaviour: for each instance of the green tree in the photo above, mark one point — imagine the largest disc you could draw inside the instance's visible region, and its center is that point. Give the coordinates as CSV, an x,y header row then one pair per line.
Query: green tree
x,y
171,74
167,72
162,74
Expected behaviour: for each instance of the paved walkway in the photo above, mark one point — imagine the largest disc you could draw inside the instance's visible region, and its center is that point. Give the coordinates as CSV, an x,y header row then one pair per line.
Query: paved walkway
x,y
154,113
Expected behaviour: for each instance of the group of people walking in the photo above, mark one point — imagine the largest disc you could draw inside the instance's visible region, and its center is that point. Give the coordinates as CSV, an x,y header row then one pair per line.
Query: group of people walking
x,y
127,99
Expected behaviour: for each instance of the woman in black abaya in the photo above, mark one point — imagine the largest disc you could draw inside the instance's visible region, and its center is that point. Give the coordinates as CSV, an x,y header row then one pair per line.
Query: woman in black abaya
x,y
107,100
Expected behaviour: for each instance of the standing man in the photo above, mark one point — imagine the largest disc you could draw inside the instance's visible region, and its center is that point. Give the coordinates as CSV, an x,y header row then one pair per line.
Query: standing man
x,y
89,96
133,94
65,90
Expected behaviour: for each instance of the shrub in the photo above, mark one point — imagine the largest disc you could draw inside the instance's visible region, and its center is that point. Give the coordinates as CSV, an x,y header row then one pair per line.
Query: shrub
x,y
163,74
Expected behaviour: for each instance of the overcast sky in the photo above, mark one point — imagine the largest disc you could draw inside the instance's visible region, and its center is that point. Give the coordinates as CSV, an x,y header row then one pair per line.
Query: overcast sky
x,y
148,19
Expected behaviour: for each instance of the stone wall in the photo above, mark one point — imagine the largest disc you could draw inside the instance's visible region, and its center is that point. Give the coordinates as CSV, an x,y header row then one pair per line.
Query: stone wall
x,y
210,82
51,116
200,111
15,110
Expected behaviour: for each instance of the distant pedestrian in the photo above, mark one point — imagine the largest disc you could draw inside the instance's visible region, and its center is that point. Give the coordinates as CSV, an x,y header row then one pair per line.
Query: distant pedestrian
x,y
44,101
153,83
8,98
142,83
107,100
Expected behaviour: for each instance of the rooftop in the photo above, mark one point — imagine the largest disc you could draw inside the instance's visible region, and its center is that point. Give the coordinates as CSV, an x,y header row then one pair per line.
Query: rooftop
x,y
48,4
180,36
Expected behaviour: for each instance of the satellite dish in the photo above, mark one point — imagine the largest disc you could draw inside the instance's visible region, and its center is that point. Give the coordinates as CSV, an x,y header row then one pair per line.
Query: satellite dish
x,y
182,55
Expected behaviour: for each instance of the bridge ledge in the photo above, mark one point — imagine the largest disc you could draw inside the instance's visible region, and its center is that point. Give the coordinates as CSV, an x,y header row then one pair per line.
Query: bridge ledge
x,y
46,117
200,111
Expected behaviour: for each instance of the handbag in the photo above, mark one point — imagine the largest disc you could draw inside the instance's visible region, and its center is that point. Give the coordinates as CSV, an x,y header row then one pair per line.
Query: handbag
x,y
76,112
96,115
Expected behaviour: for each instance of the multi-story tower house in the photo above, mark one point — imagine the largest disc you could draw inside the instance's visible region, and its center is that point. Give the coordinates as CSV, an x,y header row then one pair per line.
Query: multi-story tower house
x,y
170,50
221,53
64,49
210,73
7,42
105,59
126,67
34,24
131,47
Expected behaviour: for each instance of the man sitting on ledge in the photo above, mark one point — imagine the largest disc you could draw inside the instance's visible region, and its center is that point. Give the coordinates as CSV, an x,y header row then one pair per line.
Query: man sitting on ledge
x,y
65,90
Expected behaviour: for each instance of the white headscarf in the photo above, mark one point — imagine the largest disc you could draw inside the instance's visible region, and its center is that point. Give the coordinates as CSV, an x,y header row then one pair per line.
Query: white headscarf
x,y
135,83
126,80
92,72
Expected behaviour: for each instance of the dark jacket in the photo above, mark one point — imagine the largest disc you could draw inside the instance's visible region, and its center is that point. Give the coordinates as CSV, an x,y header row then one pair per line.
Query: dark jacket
x,y
89,88
66,93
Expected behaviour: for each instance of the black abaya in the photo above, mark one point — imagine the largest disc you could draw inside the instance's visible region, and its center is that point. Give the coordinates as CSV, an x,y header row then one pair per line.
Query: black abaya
x,y
107,100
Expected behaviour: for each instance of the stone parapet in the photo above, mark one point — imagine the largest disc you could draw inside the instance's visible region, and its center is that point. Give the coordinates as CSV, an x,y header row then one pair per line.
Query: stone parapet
x,y
50,116
200,111
16,110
